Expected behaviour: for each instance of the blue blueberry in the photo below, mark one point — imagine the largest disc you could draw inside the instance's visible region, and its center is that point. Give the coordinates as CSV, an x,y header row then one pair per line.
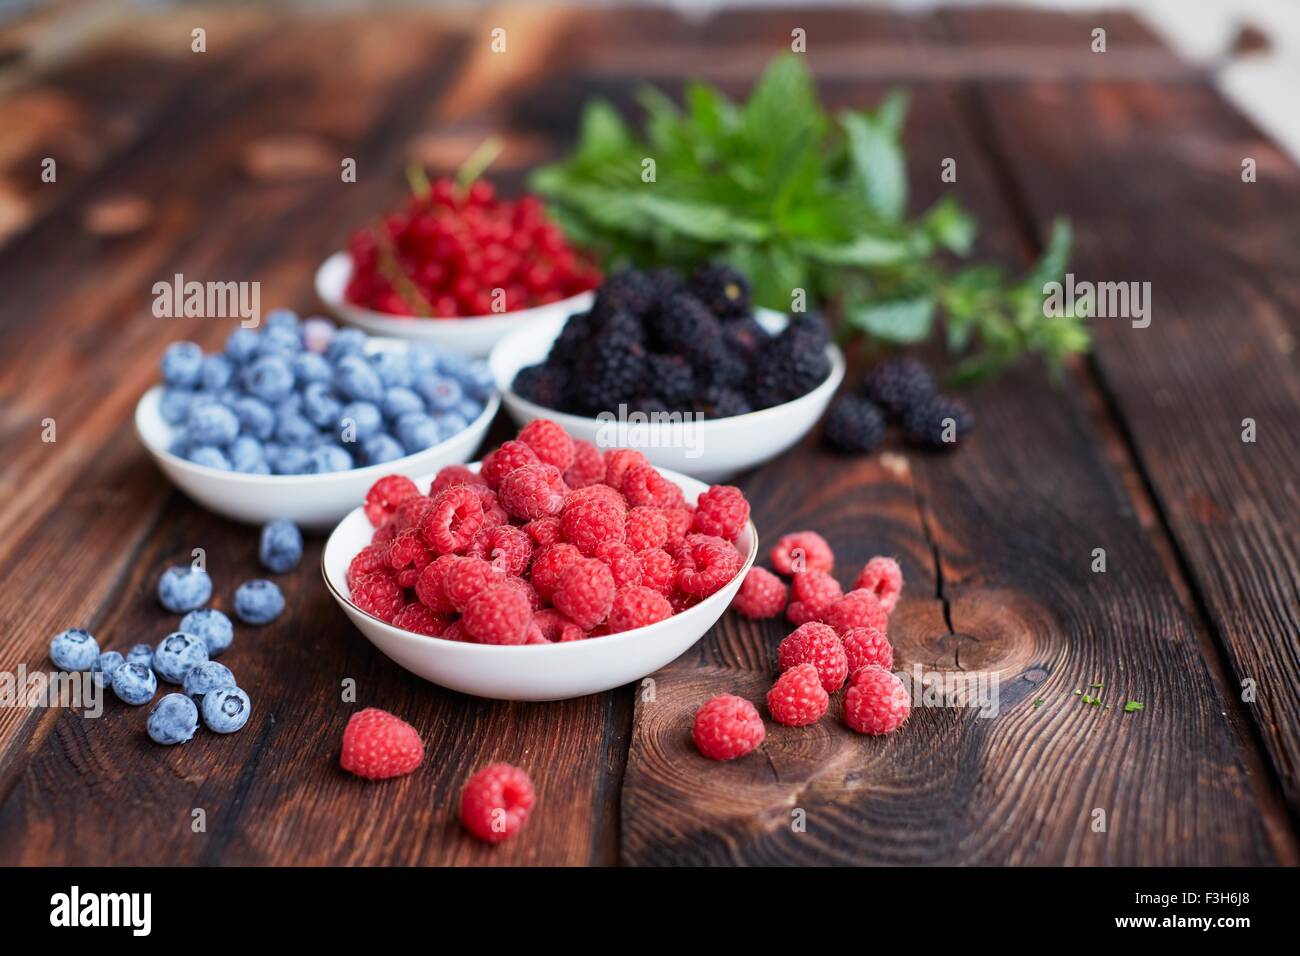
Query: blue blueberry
x,y
174,406
280,548
392,368
289,461
450,423
469,410
181,364
141,654
269,378
282,320
209,456
255,417
207,677
381,448
416,431
319,406
210,423
422,361
329,458
290,405
358,421
440,392
294,430
317,333
246,455
473,374
346,342
102,670
281,342
355,379
134,684
258,602
215,629
226,710
183,588
241,345
173,720
216,373
311,367
400,401
177,653
74,650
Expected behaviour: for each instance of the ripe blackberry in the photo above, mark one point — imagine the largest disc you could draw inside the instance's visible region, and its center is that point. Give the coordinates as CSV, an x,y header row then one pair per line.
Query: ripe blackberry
x,y
744,336
630,291
719,402
577,330
727,369
544,384
788,366
722,289
667,282
671,378
684,326
929,423
854,424
812,325
899,384
613,375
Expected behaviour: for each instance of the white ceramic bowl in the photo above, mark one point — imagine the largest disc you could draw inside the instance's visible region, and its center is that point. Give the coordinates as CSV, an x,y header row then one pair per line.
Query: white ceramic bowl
x,y
532,671
315,502
711,450
473,335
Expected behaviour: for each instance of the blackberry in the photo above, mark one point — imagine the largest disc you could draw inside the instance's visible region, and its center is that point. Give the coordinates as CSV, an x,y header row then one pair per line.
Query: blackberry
x,y
744,336
929,422
718,402
813,325
671,378
668,282
722,289
545,385
683,325
564,350
854,424
728,369
628,291
898,385
612,371
788,366
648,404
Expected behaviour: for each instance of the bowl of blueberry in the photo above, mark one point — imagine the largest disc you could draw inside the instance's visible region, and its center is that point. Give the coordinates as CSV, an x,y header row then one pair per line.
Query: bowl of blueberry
x,y
681,368
296,420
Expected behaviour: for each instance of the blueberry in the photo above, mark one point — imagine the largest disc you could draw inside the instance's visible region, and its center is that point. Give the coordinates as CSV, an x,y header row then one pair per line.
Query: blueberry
x,y
358,421
181,364
103,669
392,368
294,430
440,392
140,654
246,455
216,373
134,684
311,367
289,461
74,650
283,343
183,588
177,653
381,448
269,378
180,444
401,401
473,374
174,406
422,361
173,720
207,677
290,405
328,458
241,345
282,320
450,423
211,423
255,417
416,431
317,333
212,626
280,548
346,342
469,410
319,406
355,379
226,710
209,456
258,602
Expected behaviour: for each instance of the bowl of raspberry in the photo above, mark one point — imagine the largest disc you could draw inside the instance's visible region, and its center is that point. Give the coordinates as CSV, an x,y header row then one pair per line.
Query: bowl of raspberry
x,y
457,267
545,572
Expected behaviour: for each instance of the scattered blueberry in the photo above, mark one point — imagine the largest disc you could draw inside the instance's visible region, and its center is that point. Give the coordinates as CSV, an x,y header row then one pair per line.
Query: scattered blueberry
x,y
74,650
226,710
280,548
183,588
134,684
177,653
103,669
207,677
173,720
141,654
258,602
212,626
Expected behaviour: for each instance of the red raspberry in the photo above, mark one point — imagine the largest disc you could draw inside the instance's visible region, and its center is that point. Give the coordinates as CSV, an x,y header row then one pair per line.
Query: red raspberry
x,y
622,562
603,492
499,614
884,578
818,645
636,606
408,555
465,578
646,528
679,522
727,727
533,491
454,520
507,548
585,592
588,523
798,698
618,461
815,592
535,635
658,570
866,645
420,619
455,632
549,443
555,628
385,495
385,533
802,551
643,485
411,512
858,608
705,564
493,513
378,594
377,745
450,475
527,590
429,585
588,466
550,562
371,558
495,804
544,531
721,511
762,594
876,702
499,463
681,601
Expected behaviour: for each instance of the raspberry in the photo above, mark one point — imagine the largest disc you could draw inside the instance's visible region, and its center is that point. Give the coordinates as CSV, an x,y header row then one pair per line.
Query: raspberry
x,y
884,578
584,592
866,645
371,558
681,601
858,608
621,560
493,513
454,520
818,645
549,443
544,531
385,533
618,462
636,606
411,512
420,619
643,485
378,594
587,523
533,491
450,475
646,528
549,564
385,495
679,522
798,698
802,551
527,590
507,548
555,628
727,727
465,578
721,511
408,555
377,745
455,632
815,592
588,466
603,492
658,570
495,804
499,614
705,564
429,585
876,702
761,595
499,463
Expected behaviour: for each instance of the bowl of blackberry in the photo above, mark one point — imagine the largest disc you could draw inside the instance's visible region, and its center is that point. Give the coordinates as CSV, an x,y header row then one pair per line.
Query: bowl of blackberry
x,y
680,367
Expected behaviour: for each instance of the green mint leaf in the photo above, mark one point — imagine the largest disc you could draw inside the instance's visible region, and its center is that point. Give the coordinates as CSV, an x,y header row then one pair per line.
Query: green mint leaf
x,y
865,250
1132,705
899,320
876,157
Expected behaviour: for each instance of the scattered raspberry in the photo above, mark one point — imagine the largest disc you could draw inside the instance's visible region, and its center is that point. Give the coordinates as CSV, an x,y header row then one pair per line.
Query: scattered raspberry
x,y
371,558
412,512
636,606
465,578
499,463
658,570
761,595
643,485
705,564
429,585
884,578
378,594
721,511
420,619
495,804
814,592
499,614
621,560
507,548
588,466
544,531
385,495
618,461
858,608
798,698
584,592
727,727
679,522
408,555
533,491
377,745
450,475
588,523
646,528
549,564
820,646
866,645
802,551
454,520
555,628
549,442
876,702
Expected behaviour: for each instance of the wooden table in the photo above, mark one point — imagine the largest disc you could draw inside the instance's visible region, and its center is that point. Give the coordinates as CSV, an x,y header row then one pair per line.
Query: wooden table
x,y
225,165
